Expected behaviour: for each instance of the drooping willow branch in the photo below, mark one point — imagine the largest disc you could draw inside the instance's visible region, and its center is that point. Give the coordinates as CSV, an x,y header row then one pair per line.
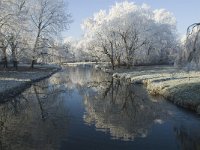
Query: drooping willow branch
x,y
190,31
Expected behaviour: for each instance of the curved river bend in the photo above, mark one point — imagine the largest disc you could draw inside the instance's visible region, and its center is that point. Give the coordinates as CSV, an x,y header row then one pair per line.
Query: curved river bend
x,y
83,109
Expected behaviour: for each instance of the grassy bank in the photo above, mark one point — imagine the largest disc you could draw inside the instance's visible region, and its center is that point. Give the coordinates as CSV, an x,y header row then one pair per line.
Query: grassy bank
x,y
178,86
13,82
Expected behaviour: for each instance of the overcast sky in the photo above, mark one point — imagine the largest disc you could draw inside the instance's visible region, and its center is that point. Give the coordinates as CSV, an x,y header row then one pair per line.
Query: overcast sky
x,y
185,11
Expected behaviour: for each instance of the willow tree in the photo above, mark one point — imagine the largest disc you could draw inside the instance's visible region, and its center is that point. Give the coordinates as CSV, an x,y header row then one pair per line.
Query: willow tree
x,y
193,43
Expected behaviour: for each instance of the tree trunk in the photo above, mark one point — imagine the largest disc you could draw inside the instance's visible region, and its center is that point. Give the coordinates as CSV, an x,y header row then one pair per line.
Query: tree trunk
x,y
112,63
14,58
5,61
15,64
32,63
112,56
35,47
128,63
119,61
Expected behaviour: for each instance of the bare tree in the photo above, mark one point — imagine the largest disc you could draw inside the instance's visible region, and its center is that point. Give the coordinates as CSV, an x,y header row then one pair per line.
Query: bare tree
x,y
48,18
131,42
17,30
11,24
3,46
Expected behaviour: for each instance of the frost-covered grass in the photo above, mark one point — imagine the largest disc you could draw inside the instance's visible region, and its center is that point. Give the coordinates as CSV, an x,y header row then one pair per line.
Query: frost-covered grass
x,y
105,67
14,82
178,86
79,63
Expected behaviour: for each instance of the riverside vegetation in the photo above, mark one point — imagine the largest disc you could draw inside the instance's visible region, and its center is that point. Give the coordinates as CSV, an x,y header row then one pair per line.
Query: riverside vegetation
x,y
176,85
13,82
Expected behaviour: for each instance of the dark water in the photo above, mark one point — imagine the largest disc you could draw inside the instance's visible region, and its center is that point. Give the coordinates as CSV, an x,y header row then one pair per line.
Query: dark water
x,y
83,109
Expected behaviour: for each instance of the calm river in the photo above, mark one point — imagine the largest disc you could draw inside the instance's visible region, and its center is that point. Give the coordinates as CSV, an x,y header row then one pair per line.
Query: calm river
x,y
83,109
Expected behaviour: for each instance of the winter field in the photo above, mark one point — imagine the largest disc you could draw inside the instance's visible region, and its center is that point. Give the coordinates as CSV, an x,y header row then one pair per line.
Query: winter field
x,y
14,82
176,85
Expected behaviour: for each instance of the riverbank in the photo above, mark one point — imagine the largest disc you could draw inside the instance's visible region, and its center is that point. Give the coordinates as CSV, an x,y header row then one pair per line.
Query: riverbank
x,y
178,86
13,82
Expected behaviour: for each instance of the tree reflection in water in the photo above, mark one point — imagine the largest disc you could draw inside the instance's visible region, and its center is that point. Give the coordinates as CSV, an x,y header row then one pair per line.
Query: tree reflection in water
x,y
36,119
188,135
122,109
51,115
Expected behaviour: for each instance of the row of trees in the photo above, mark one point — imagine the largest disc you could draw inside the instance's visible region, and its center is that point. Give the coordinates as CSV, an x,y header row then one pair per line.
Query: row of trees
x,y
126,34
30,29
131,34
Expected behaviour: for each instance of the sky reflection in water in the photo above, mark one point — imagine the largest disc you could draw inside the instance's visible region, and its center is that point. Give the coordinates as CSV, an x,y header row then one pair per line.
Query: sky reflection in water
x,y
80,108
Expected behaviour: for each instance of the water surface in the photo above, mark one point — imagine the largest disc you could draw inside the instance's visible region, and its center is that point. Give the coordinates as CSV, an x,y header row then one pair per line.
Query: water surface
x,y
83,109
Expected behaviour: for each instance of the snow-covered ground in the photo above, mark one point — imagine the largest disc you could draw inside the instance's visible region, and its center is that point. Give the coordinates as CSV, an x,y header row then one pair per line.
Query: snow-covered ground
x,y
178,86
79,63
14,82
86,63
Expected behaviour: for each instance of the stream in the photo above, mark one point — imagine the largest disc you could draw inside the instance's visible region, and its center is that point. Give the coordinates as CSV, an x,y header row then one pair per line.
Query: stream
x,y
80,108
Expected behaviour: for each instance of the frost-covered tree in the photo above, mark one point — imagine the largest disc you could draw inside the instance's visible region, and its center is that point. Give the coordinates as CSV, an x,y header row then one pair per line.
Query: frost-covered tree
x,y
49,19
16,34
193,43
189,55
129,33
161,39
76,50
29,28
12,21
